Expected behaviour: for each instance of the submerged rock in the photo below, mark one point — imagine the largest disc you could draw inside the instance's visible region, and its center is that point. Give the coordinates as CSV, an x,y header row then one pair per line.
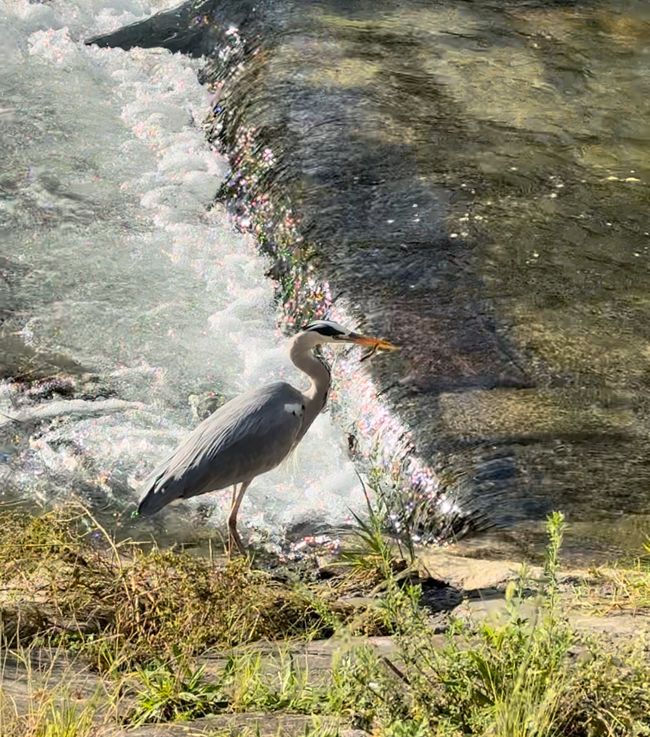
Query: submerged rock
x,y
203,405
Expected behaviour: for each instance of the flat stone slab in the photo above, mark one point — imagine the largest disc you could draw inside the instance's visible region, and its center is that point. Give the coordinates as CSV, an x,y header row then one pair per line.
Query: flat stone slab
x,y
46,672
314,657
468,574
265,725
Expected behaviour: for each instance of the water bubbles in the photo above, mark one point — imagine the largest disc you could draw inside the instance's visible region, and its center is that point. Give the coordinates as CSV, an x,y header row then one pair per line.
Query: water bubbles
x,y
163,297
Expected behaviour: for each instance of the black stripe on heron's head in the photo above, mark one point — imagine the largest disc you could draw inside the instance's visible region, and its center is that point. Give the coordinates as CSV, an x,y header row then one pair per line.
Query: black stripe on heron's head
x,y
326,328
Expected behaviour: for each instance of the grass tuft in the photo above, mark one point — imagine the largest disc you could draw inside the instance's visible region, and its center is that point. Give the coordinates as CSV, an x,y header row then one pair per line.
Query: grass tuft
x,y
178,692
146,618
63,579
43,698
515,677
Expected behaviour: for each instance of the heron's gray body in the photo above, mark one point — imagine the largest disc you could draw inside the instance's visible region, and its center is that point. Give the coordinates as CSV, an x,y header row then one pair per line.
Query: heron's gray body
x,y
251,434
247,436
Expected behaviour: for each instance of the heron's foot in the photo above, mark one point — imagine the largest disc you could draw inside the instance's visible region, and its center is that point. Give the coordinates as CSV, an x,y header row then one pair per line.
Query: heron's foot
x,y
235,544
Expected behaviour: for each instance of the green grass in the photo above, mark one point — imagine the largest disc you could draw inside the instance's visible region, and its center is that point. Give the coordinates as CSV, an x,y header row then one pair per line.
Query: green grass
x,y
511,678
521,676
166,694
143,618
618,588
47,703
63,579
249,682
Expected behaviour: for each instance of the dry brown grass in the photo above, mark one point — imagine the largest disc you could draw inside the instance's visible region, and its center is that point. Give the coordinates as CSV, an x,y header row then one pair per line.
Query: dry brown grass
x,y
615,589
62,578
142,614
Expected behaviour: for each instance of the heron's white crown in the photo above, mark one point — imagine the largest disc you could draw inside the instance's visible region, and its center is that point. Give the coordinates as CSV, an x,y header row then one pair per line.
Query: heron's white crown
x,y
327,330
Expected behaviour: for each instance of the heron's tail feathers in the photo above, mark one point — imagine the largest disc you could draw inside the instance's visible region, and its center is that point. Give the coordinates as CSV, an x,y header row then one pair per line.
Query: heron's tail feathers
x,y
159,490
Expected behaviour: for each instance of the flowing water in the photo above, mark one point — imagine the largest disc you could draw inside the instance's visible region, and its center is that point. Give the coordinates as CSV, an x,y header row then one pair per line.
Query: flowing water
x,y
468,179
121,295
471,179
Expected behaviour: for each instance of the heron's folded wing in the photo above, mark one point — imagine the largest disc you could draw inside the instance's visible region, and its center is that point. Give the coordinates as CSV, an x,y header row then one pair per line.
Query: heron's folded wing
x,y
248,436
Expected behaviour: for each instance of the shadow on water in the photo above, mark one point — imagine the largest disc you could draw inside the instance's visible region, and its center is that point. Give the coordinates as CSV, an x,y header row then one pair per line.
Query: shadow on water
x,y
473,178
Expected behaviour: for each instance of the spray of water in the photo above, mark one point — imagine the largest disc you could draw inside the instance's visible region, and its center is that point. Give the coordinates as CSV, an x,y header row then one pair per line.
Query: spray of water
x,y
118,265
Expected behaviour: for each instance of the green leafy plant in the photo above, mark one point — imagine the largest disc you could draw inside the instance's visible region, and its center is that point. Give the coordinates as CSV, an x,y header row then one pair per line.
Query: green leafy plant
x,y
512,676
168,692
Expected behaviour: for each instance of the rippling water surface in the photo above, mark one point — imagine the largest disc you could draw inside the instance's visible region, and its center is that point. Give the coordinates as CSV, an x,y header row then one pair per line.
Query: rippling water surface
x,y
117,281
470,179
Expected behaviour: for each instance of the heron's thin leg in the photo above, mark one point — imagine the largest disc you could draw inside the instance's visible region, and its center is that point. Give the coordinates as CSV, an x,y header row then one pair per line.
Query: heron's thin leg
x,y
232,519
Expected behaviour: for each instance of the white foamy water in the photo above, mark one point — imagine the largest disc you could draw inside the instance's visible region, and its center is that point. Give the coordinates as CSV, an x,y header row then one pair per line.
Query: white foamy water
x,y
110,259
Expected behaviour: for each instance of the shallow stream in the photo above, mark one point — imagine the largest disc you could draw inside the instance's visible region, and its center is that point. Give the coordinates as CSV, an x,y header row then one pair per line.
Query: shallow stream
x,y
468,179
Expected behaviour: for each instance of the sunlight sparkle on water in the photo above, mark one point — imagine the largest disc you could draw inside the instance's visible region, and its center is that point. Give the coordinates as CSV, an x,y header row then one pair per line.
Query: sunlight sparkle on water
x,y
151,293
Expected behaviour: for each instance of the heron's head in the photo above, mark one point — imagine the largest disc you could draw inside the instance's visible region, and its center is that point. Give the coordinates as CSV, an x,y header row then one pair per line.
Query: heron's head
x,y
326,331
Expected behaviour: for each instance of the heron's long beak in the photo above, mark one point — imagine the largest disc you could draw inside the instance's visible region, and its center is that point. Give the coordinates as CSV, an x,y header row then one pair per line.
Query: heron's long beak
x,y
377,344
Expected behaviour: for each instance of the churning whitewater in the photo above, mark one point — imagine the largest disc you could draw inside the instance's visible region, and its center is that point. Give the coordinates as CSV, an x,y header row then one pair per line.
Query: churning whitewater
x,y
120,281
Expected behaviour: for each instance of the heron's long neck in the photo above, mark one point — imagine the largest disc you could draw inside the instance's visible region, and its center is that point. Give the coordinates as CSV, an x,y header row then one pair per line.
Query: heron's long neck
x,y
316,395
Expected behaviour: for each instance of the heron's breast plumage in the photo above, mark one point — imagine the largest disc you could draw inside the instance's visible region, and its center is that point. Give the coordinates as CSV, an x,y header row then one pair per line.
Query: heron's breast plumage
x,y
297,409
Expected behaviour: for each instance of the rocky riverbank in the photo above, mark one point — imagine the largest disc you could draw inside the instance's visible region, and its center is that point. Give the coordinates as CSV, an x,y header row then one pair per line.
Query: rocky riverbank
x,y
101,638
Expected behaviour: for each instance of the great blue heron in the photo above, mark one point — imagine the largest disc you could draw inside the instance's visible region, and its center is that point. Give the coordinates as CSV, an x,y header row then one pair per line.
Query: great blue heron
x,y
253,433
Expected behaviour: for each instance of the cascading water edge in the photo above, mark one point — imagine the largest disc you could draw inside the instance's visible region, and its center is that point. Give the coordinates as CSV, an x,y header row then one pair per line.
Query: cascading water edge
x,y
126,294
461,180
452,177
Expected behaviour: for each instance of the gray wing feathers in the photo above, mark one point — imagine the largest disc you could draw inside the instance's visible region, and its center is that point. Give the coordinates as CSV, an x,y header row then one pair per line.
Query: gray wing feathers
x,y
248,436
